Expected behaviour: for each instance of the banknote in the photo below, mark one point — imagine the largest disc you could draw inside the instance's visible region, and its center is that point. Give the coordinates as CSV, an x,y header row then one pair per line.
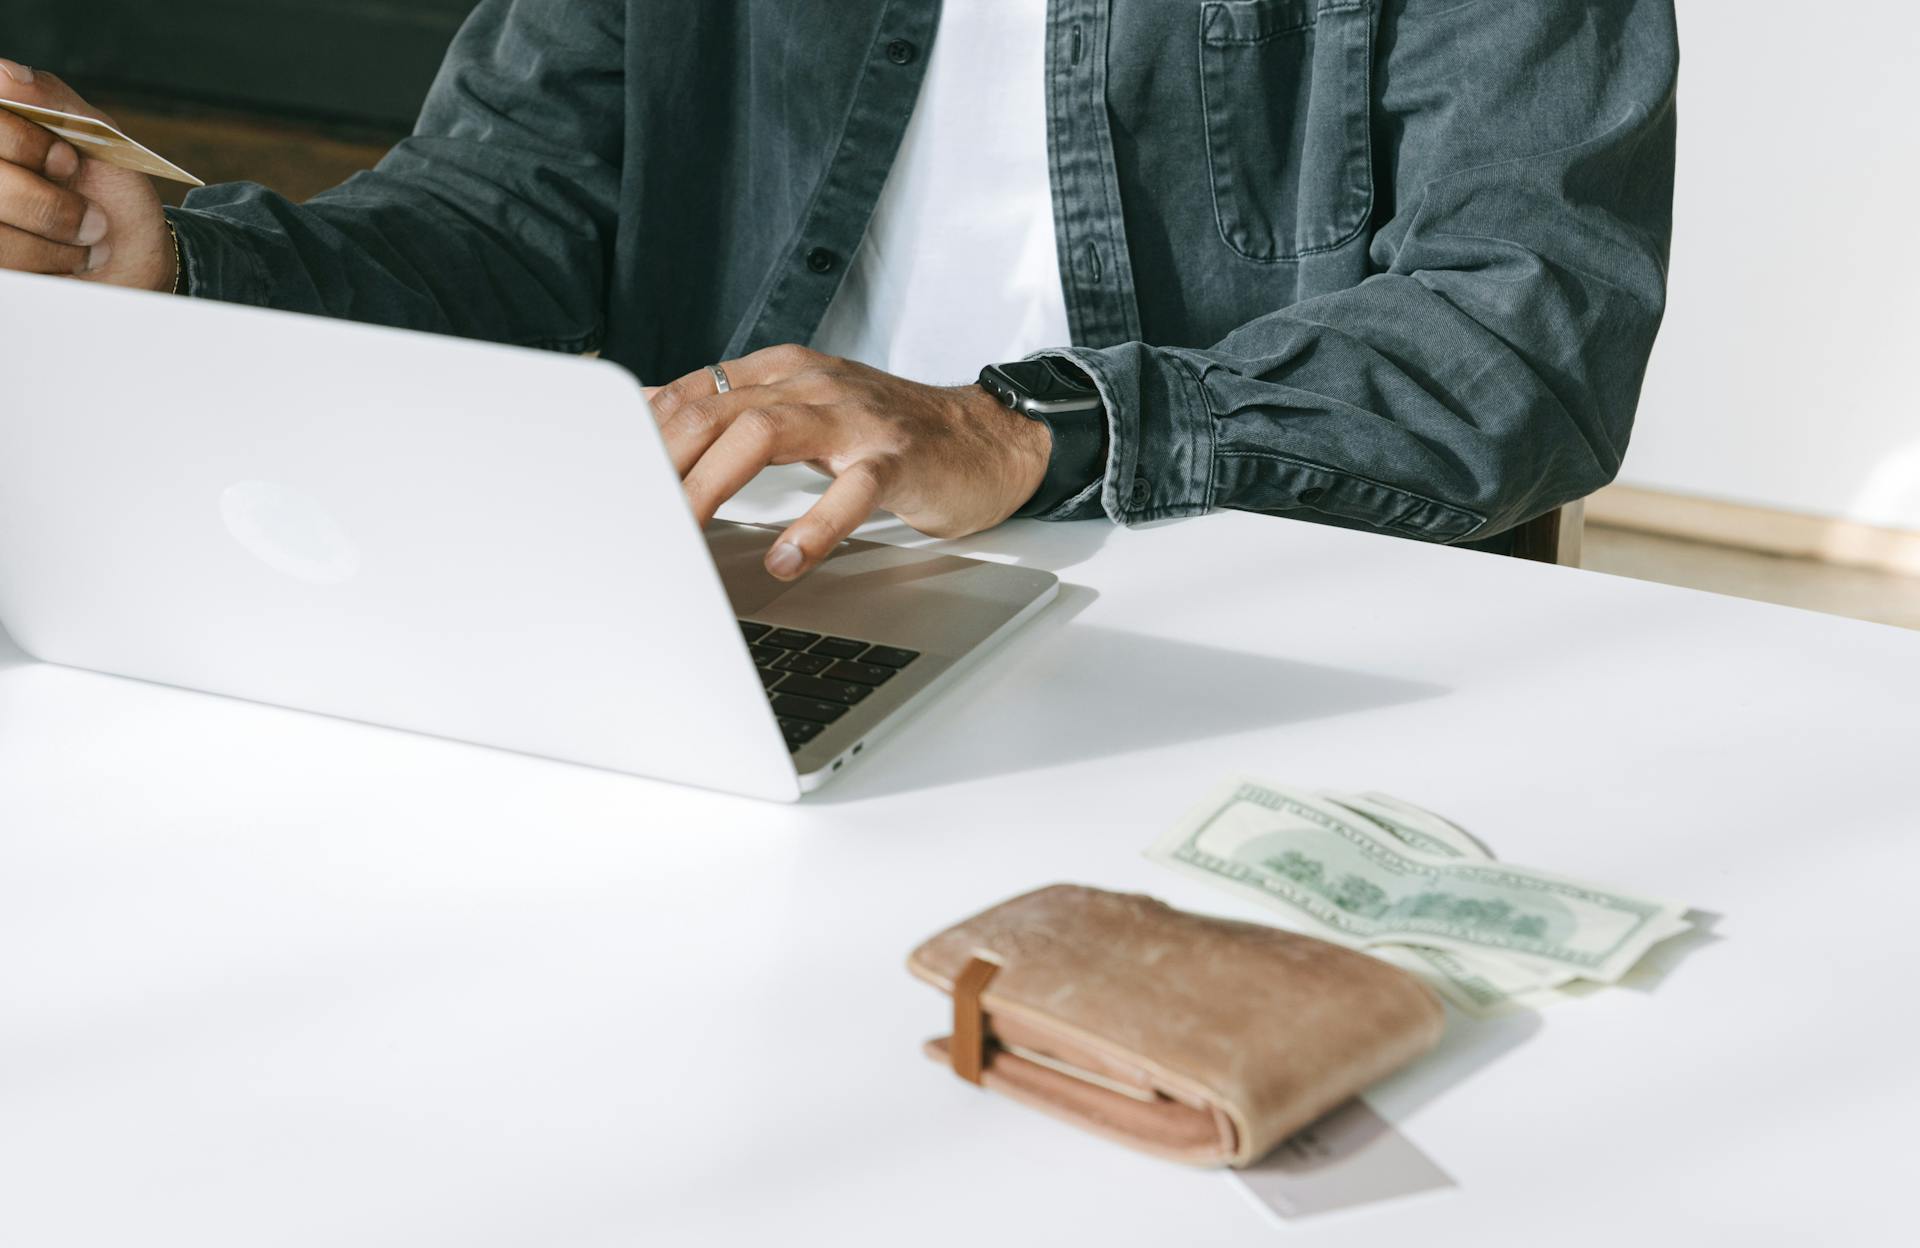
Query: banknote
x,y
1417,828
97,140
1482,986
1345,876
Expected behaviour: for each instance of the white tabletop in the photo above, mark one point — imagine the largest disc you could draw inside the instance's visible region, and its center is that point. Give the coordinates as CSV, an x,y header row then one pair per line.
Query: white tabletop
x,y
274,979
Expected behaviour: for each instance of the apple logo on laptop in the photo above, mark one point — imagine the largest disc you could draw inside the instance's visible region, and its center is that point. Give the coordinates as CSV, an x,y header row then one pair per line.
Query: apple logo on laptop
x,y
289,532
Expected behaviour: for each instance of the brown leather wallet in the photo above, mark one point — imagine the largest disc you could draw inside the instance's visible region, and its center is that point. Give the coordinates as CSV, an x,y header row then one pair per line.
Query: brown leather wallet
x,y
1200,1039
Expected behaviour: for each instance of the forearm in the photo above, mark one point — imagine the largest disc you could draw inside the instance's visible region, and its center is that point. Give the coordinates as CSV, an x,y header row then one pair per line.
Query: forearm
x,y
494,220
1490,368
1389,406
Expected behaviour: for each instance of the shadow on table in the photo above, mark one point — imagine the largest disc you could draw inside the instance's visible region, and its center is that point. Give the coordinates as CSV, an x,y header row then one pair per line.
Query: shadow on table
x,y
1049,701
1470,1045
1661,961
11,655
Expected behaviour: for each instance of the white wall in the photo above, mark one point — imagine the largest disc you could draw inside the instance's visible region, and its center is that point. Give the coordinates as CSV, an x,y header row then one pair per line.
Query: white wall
x,y
1788,371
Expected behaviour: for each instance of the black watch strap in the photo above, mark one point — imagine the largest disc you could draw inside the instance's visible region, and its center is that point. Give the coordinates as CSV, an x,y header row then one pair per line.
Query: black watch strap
x,y
1078,459
1079,455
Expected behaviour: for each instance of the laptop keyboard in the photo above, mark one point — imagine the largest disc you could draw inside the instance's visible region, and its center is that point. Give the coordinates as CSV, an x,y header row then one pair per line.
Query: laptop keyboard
x,y
813,678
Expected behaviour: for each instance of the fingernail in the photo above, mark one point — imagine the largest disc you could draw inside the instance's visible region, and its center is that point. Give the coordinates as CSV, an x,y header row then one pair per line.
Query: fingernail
x,y
63,161
784,561
99,257
16,71
93,227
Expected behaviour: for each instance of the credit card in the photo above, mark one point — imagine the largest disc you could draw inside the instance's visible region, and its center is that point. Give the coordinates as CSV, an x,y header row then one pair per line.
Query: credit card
x,y
97,140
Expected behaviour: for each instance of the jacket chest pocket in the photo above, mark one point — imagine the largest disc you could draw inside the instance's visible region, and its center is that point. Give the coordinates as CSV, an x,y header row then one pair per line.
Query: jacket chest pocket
x,y
1285,87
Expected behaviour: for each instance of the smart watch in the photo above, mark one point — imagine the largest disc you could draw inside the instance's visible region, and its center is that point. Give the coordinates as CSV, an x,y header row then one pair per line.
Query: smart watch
x,y
1061,397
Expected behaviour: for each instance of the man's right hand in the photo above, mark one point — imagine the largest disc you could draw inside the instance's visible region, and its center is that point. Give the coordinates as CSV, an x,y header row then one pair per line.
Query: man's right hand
x,y
62,214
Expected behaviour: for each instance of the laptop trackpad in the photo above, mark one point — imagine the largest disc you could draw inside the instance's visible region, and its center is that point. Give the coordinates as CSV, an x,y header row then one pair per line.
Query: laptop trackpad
x,y
739,551
942,603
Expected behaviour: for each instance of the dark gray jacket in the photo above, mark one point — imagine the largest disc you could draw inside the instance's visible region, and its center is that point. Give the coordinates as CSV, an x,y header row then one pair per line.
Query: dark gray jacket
x,y
1395,264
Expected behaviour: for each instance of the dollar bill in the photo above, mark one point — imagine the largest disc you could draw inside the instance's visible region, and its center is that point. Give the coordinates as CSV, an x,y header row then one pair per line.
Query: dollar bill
x,y
1347,876
1482,986
1479,984
1415,827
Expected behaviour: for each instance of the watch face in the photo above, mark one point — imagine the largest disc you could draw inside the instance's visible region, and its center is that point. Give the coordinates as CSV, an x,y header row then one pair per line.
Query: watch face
x,y
1044,381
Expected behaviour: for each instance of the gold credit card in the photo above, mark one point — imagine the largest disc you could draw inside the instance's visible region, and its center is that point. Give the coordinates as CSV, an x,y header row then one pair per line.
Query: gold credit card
x,y
97,140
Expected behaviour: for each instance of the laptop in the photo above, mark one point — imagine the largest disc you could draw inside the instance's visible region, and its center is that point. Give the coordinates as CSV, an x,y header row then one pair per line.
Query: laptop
x,y
472,541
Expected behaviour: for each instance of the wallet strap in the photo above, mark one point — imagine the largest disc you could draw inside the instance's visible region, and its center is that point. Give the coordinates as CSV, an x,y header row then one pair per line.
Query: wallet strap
x,y
969,1044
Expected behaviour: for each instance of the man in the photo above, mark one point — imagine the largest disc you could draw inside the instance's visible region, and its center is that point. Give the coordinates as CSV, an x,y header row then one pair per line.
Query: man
x,y
1393,264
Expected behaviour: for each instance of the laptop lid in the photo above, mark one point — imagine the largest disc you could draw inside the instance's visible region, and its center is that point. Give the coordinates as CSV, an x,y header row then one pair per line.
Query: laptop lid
x,y
478,542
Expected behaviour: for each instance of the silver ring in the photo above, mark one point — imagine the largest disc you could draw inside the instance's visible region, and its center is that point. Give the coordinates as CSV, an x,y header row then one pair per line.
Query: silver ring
x,y
720,382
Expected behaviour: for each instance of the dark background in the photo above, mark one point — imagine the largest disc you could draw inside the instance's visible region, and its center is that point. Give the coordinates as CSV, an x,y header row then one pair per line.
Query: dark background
x,y
363,63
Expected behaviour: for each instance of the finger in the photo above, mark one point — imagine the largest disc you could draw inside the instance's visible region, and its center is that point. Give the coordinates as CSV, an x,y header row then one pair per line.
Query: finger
x,y
37,86
692,432
31,147
29,202
846,505
29,253
759,369
667,400
758,437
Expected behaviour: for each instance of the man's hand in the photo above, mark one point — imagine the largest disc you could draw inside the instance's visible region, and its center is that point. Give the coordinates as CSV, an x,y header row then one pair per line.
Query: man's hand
x,y
61,214
948,460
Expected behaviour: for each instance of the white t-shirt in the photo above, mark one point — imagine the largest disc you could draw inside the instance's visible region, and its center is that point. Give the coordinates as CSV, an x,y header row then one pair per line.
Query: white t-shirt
x,y
959,268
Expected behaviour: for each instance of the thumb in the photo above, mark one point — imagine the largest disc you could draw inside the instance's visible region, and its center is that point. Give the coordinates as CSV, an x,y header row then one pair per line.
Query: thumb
x,y
36,86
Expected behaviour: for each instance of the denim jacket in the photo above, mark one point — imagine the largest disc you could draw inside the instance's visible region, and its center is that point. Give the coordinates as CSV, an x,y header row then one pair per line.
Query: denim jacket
x,y
1390,264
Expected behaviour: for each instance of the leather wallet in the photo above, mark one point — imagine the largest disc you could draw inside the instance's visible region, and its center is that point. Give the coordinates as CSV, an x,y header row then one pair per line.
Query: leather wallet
x,y
1200,1039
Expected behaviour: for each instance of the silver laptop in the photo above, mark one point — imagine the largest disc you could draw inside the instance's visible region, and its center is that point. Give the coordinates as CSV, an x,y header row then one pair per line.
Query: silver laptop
x,y
472,541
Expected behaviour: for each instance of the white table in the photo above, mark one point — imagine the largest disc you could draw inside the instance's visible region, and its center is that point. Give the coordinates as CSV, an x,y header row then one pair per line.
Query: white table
x,y
272,979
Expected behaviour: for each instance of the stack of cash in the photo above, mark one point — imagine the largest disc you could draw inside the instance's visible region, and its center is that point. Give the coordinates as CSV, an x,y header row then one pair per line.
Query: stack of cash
x,y
1368,870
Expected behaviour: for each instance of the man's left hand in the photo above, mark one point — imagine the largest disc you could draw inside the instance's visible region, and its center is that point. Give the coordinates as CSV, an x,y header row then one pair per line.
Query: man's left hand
x,y
947,460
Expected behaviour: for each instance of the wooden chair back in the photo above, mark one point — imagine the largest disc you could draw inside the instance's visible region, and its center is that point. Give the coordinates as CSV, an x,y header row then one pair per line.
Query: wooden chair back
x,y
1554,537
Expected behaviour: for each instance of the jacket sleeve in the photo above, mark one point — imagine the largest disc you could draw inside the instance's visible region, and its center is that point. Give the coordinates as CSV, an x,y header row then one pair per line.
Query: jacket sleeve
x,y
1487,369
494,220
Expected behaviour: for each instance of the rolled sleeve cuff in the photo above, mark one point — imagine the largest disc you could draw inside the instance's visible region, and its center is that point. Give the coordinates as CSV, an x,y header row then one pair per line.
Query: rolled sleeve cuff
x,y
219,264
1160,436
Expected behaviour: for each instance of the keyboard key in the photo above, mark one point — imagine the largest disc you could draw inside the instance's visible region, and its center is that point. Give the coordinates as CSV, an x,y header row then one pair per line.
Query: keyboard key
x,y
825,690
754,632
860,673
805,664
763,656
789,639
889,656
768,677
799,731
839,648
787,706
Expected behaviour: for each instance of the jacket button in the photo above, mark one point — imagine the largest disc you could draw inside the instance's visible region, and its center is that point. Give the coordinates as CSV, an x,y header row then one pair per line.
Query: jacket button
x,y
1142,492
820,260
900,52
1313,494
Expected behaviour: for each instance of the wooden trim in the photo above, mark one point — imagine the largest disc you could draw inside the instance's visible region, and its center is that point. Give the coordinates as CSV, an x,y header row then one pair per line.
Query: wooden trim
x,y
1766,529
1552,538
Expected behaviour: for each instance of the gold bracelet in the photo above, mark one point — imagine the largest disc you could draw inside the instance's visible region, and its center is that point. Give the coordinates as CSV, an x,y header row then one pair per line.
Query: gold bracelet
x,y
179,260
